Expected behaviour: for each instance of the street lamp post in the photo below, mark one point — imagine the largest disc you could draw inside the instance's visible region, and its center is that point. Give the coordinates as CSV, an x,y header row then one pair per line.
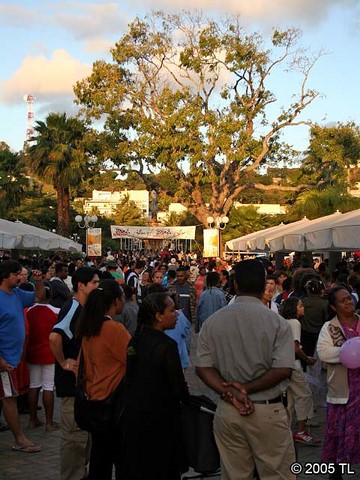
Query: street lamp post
x,y
87,222
219,223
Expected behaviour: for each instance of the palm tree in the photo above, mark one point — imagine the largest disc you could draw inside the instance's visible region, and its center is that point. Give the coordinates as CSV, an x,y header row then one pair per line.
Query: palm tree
x,y
57,157
317,203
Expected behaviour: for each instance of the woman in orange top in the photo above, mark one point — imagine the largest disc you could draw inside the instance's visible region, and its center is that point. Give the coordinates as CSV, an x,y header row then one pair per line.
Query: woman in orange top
x,y
104,344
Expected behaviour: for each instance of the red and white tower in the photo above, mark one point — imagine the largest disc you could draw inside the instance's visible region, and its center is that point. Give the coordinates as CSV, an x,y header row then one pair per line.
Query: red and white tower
x,y
29,99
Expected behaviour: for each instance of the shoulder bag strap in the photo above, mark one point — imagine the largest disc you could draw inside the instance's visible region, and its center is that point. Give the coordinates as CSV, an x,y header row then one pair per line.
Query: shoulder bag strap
x,y
80,376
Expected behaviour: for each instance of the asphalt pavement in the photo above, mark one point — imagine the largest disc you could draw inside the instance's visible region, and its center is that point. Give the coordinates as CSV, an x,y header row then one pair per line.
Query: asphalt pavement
x,y
45,464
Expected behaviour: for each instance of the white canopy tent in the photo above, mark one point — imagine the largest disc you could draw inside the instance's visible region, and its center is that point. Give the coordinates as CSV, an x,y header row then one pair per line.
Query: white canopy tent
x,y
294,238
342,234
18,235
242,243
259,240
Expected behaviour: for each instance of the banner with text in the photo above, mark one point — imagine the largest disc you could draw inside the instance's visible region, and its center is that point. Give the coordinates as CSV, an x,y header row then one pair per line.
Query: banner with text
x,y
153,233
93,242
211,242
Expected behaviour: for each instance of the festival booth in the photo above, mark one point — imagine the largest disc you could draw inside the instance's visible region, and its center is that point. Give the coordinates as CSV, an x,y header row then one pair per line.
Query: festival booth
x,y
154,238
21,236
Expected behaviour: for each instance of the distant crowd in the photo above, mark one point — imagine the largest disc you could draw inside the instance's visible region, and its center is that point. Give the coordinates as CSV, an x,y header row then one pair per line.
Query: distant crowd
x,y
130,317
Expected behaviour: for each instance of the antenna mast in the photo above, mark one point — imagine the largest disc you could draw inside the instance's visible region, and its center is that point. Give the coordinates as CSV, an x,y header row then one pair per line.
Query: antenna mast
x,y
29,99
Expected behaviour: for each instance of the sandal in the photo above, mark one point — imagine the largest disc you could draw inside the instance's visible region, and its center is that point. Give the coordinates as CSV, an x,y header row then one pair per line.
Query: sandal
x,y
33,448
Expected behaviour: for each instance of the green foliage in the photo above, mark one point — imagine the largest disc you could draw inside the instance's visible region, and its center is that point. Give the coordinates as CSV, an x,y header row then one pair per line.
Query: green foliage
x,y
186,94
332,151
244,220
317,203
13,181
56,155
37,210
127,213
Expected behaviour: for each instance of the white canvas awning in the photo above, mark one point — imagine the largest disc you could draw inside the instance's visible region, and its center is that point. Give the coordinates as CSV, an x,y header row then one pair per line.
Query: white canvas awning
x,y
294,238
242,243
259,240
342,234
18,235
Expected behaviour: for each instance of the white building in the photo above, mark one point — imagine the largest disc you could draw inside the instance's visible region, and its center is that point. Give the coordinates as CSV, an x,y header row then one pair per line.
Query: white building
x,y
106,202
264,208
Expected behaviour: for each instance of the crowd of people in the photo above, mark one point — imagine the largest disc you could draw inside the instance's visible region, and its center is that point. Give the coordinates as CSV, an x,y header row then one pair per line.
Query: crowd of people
x,y
132,315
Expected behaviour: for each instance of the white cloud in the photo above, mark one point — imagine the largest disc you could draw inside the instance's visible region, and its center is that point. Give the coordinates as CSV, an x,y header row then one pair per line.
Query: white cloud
x,y
98,45
16,15
273,12
91,20
44,77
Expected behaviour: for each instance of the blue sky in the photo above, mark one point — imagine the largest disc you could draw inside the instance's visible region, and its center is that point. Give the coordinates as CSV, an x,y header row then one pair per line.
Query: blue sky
x,y
45,47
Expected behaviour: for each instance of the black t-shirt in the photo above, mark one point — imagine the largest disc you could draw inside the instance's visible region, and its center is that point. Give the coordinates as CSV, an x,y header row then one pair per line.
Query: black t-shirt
x,y
68,315
59,292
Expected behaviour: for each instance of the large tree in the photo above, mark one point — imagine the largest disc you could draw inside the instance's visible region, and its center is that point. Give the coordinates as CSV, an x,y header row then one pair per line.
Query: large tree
x,y
57,156
332,157
193,96
13,180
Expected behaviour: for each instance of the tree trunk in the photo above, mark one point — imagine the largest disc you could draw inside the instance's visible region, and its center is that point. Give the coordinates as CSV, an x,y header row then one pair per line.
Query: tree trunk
x,y
63,211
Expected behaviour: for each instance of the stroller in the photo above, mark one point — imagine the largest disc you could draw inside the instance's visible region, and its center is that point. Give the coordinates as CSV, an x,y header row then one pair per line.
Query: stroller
x,y
199,445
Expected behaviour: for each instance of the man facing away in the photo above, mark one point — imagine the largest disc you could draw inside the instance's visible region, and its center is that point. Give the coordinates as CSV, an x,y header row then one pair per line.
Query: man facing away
x,y
251,348
74,446
60,292
12,337
186,298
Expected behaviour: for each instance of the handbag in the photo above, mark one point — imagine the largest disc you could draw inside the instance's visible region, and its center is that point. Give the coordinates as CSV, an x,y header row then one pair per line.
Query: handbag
x,y
198,438
96,416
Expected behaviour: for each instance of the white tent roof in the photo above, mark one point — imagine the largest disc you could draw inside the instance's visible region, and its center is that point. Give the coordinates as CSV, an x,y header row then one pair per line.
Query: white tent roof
x,y
241,243
22,236
294,238
259,240
342,234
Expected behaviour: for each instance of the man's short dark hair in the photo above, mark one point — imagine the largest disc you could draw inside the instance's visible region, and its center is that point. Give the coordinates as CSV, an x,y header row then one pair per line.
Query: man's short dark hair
x,y
212,279
59,267
139,264
171,274
83,275
250,277
7,267
181,269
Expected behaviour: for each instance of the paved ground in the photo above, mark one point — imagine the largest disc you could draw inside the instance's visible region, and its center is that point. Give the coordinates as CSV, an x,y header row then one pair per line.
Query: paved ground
x,y
45,465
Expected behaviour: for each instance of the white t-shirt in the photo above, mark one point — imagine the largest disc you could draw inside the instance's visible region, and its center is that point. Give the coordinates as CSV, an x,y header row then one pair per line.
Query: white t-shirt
x,y
296,330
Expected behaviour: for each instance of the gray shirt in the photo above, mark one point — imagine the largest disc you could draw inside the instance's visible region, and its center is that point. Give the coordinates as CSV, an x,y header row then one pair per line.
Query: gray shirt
x,y
244,340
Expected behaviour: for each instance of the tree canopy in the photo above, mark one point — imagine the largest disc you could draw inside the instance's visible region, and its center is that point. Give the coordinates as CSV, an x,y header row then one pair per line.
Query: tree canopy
x,y
333,151
192,96
13,181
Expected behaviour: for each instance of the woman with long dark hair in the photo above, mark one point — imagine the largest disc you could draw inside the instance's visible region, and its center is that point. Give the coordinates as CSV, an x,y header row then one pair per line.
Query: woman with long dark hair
x,y
342,435
299,393
104,344
154,388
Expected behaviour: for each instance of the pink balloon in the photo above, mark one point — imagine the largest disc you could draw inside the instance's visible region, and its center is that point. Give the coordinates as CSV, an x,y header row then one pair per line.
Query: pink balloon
x,y
350,353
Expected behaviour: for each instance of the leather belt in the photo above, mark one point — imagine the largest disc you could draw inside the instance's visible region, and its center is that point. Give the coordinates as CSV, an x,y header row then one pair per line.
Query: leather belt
x,y
278,399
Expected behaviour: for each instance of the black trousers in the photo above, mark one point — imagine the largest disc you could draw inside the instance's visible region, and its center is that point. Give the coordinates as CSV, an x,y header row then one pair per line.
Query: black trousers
x,y
106,452
308,343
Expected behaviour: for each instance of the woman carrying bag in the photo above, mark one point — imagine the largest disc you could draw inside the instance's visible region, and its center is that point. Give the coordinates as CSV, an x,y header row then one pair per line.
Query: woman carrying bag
x,y
104,344
154,388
